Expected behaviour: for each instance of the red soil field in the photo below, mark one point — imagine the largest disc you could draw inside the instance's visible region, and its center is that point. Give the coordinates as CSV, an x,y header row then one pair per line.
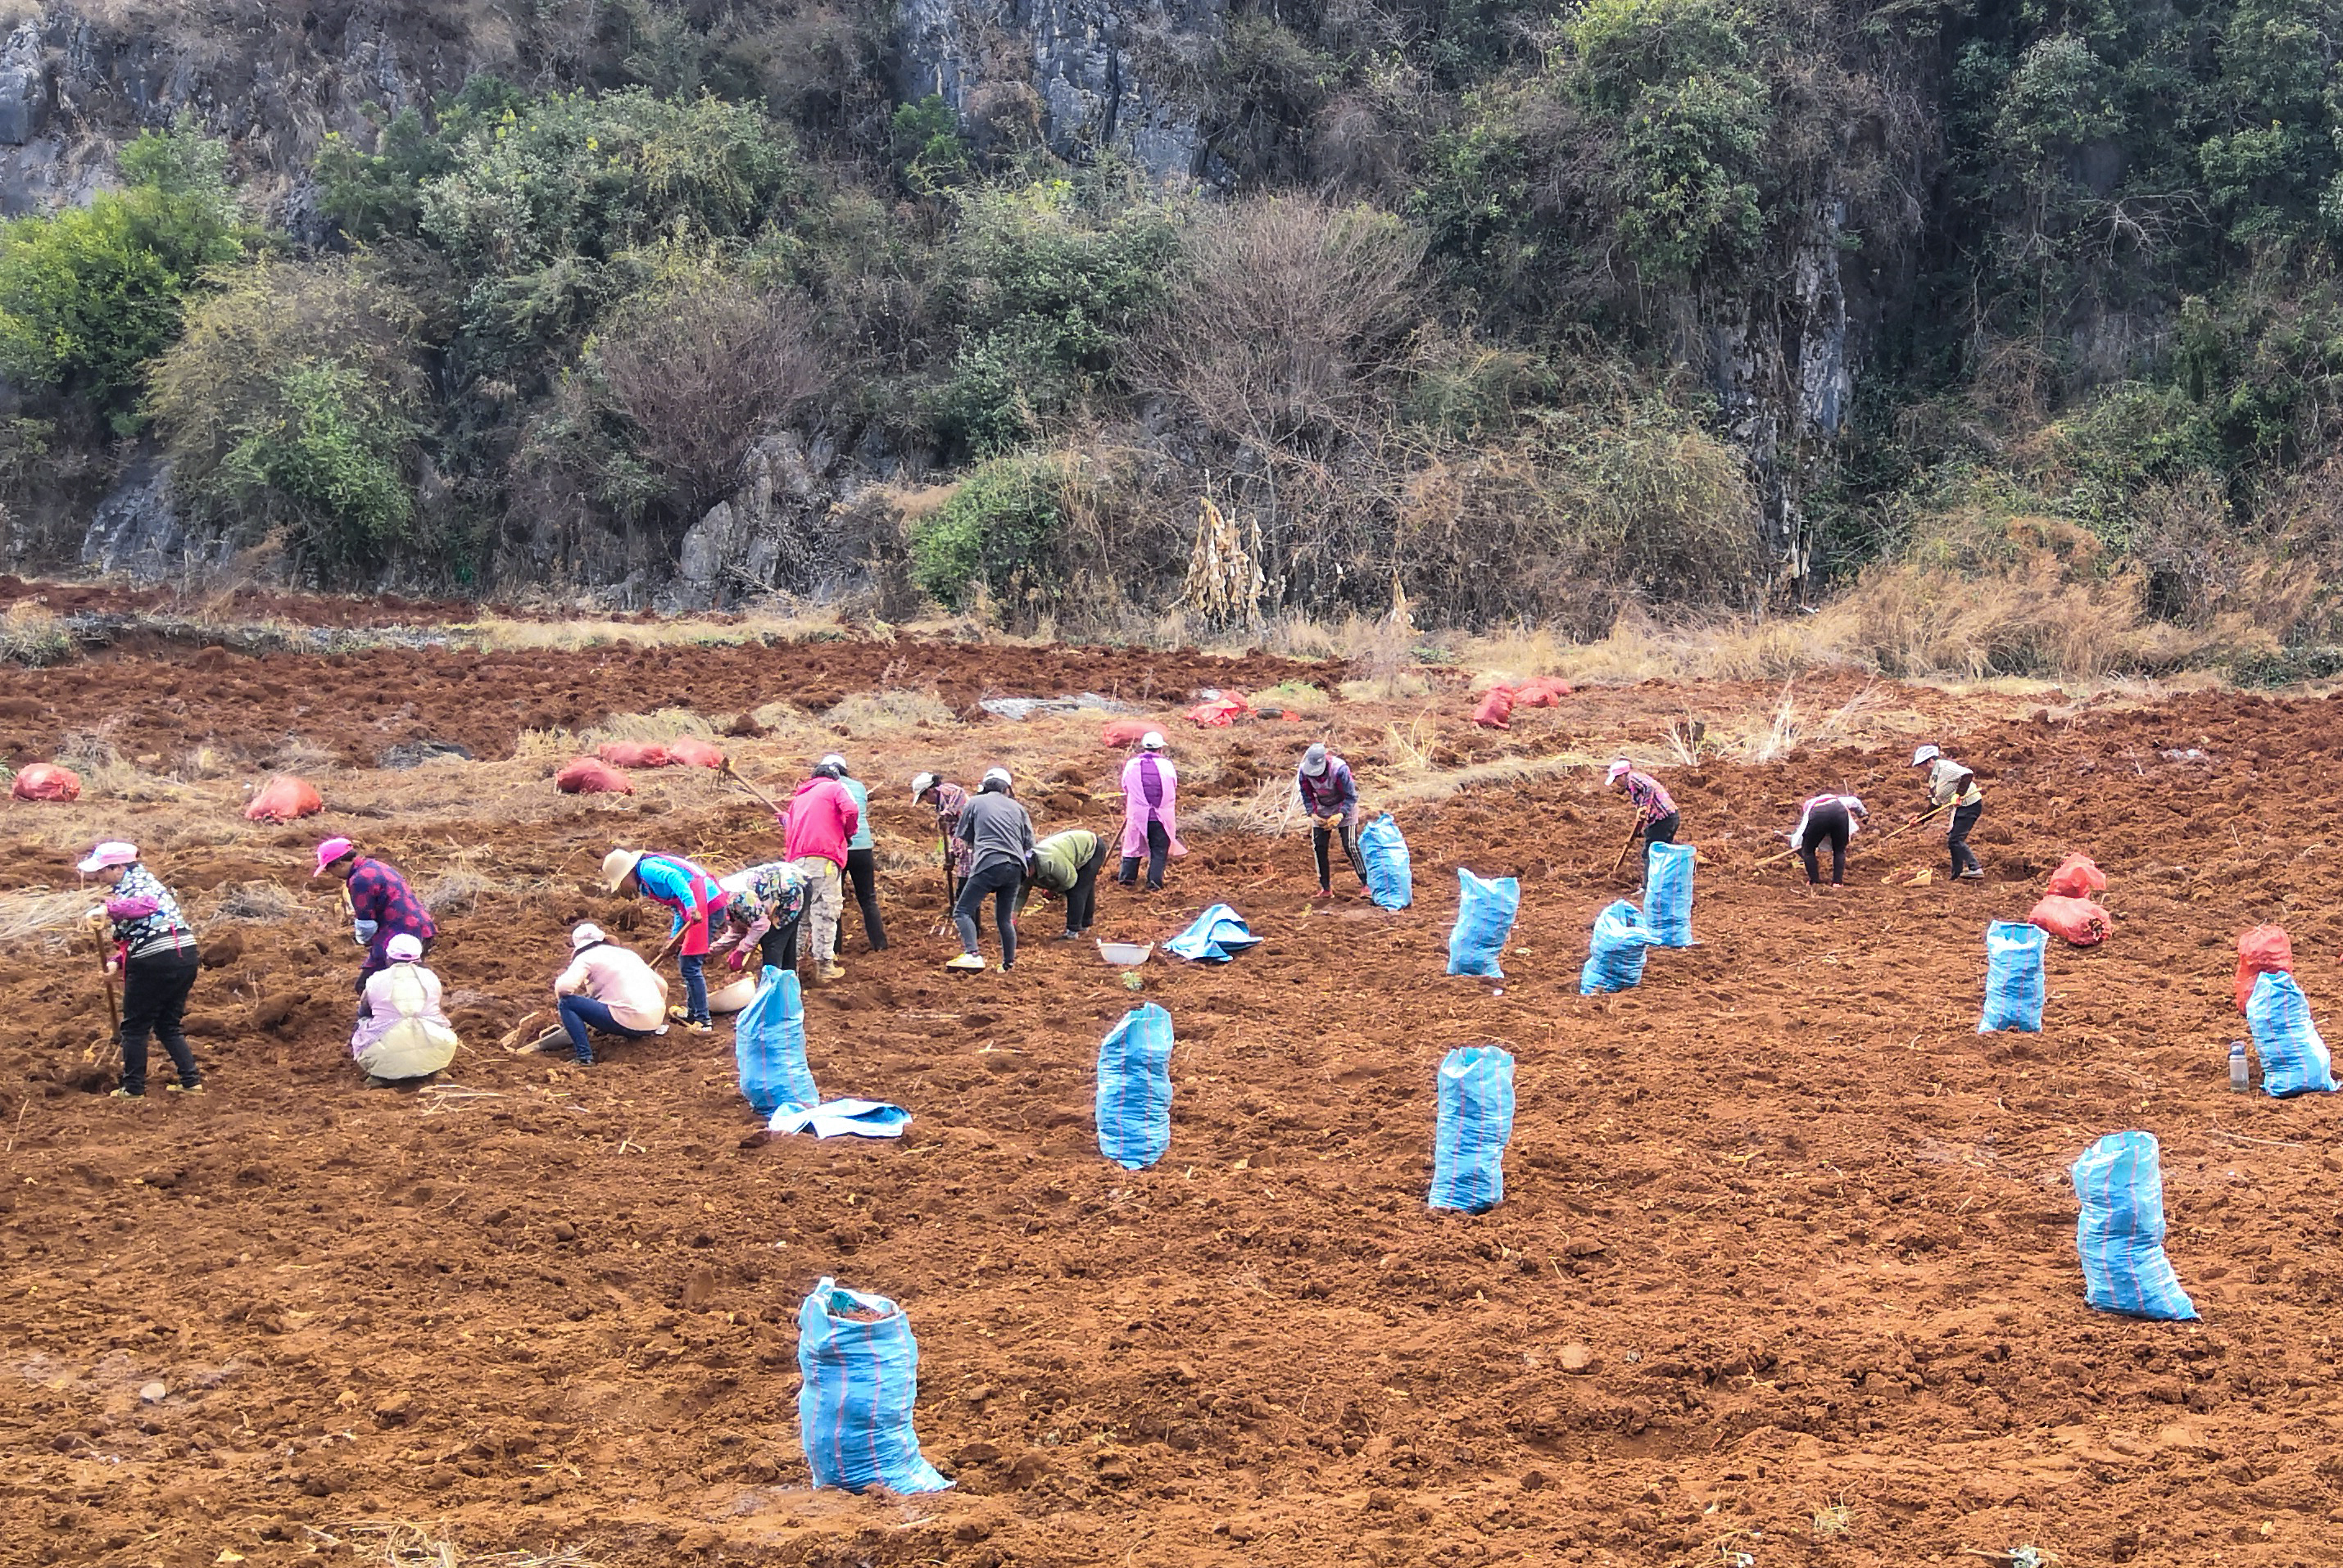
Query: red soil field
x,y
1782,1233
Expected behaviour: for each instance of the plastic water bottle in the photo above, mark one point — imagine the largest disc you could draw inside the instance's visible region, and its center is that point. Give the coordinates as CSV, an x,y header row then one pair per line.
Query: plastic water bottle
x,y
2240,1079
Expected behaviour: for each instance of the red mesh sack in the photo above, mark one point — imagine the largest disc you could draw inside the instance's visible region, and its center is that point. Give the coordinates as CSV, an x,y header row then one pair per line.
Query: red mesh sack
x,y
587,775
1544,691
2077,877
1496,709
2079,921
46,781
284,798
691,751
1123,732
2263,950
1219,712
633,754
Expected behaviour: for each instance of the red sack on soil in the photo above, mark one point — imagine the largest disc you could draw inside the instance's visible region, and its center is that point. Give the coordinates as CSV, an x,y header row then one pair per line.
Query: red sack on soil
x,y
1219,712
633,754
2077,877
691,751
1544,691
2075,920
1121,732
2262,950
46,781
586,776
1496,709
283,799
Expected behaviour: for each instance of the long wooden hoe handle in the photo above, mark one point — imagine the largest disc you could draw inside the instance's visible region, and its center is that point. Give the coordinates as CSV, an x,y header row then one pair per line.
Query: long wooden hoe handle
x,y
1632,833
734,774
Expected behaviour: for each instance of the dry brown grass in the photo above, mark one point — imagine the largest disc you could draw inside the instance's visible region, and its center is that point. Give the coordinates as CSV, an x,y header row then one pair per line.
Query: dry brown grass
x,y
891,714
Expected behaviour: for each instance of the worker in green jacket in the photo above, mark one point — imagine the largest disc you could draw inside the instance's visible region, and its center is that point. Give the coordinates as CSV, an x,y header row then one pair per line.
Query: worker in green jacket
x,y
1069,863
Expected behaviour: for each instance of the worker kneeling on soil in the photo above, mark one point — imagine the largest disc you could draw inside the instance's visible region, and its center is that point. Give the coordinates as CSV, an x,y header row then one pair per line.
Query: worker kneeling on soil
x,y
762,906
1655,809
698,904
1826,820
379,903
1330,796
607,989
402,1036
1000,838
1069,863
154,951
1950,784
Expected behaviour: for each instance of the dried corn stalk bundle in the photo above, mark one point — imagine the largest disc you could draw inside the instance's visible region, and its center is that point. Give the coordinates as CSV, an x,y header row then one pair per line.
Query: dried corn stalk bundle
x,y
1224,579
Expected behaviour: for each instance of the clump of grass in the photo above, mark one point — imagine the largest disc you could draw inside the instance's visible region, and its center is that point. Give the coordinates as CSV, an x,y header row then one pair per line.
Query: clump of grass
x,y
1834,1519
876,715
294,755
32,913
263,903
664,724
545,747
405,1545
32,634
1410,751
455,892
1398,686
1781,735
1294,696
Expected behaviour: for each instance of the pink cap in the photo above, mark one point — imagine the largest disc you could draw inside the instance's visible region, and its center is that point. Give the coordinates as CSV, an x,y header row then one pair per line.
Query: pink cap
x,y
113,852
1618,771
331,851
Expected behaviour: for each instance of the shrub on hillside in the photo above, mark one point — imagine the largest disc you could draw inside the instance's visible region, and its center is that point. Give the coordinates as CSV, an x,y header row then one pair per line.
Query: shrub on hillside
x,y
998,530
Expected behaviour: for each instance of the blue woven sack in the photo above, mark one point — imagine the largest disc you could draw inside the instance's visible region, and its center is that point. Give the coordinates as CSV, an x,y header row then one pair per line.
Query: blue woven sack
x,y
768,1045
2121,1236
1614,954
2013,986
1217,935
860,1380
1389,880
1485,907
1476,1122
1667,894
2293,1057
1134,1089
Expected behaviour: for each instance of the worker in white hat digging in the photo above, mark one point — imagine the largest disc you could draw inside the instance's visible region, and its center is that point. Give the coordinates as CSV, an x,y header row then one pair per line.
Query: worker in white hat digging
x,y
1000,837
608,990
154,951
1831,820
1950,784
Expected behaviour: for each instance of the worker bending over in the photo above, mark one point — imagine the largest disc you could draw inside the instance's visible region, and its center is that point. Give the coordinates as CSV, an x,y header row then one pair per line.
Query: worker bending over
x,y
1069,863
609,989
1000,838
379,903
696,903
762,906
1331,797
950,800
1826,820
1655,810
1950,784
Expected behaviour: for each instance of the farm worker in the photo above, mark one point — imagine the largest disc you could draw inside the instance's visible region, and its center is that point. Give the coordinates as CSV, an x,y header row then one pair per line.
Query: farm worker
x,y
1950,784
154,952
1150,812
1826,820
607,988
379,903
862,855
820,822
999,839
1654,810
1331,798
696,903
763,905
1069,863
950,800
402,1036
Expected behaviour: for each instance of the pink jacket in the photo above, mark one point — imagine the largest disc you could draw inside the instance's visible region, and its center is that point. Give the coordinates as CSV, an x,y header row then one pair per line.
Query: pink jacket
x,y
1136,810
822,817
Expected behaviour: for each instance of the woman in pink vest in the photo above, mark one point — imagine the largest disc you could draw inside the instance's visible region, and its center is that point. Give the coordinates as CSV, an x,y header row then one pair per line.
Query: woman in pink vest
x,y
1150,813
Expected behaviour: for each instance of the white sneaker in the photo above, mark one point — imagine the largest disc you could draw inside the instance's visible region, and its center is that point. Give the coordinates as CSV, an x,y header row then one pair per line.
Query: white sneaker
x,y
966,962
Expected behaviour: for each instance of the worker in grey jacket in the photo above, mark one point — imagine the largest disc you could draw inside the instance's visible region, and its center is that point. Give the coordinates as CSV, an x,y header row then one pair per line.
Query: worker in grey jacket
x,y
1000,837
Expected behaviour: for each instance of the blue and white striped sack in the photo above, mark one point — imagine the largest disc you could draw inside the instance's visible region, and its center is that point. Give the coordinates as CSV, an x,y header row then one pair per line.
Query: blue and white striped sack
x,y
2121,1236
1667,894
1614,953
2014,985
1476,1123
768,1045
2293,1057
859,1383
1134,1089
1391,880
1215,937
1485,907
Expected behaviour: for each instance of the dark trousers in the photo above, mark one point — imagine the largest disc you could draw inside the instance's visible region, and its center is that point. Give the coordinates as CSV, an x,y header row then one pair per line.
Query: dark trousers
x,y
1826,825
155,988
1957,838
1321,840
1082,898
1663,831
778,945
1003,879
581,1013
862,871
1158,847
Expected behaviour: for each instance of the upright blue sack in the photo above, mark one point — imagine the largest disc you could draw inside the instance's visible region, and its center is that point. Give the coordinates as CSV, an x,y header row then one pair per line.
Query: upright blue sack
x,y
2120,1235
1476,1122
1485,907
2293,1057
768,1045
1614,954
1218,935
861,1378
1389,880
1667,894
1134,1089
2013,986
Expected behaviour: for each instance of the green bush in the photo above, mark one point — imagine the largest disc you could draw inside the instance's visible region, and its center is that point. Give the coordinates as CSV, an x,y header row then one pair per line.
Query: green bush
x,y
328,460
930,155
997,529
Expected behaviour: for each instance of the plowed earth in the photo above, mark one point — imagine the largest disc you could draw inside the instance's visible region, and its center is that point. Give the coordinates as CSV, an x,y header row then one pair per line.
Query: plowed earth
x,y
1784,1270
